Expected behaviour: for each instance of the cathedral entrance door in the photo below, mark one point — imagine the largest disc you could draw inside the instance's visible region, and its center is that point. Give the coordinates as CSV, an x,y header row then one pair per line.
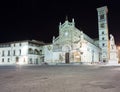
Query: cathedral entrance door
x,y
67,58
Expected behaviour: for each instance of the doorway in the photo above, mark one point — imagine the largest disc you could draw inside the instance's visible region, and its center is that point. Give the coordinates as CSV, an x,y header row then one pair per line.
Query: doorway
x,y
17,59
67,58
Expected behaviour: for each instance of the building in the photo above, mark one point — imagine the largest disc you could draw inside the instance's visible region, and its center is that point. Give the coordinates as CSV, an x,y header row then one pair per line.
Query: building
x,y
73,45
21,52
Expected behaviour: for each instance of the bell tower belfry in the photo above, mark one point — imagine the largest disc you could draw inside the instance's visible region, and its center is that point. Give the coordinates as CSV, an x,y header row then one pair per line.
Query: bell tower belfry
x,y
103,33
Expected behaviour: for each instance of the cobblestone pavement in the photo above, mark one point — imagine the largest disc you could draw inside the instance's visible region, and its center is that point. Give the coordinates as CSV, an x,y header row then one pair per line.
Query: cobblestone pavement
x,y
60,78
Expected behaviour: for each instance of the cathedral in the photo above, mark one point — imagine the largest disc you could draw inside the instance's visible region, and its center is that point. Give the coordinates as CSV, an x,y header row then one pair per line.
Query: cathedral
x,y
74,46
71,46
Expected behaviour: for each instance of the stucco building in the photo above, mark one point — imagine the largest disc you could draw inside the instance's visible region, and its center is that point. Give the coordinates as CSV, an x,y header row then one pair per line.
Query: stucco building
x,y
21,52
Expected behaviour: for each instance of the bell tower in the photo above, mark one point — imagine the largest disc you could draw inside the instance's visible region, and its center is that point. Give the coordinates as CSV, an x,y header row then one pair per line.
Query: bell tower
x,y
103,33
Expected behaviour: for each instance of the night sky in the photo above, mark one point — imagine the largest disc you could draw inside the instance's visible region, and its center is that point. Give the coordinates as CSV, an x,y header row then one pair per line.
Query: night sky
x,y
39,20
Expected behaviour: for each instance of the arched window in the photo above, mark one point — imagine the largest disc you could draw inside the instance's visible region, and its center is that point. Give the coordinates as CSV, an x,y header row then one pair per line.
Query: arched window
x,y
30,51
36,52
40,52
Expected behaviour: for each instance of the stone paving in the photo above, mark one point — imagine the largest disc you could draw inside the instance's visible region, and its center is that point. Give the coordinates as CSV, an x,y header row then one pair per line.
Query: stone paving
x,y
60,78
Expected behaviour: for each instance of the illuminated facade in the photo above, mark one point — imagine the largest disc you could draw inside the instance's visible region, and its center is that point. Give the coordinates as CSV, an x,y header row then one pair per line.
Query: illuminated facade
x,y
103,33
73,45
21,52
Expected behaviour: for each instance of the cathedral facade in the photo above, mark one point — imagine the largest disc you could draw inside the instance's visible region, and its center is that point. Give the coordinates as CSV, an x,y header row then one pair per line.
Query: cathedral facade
x,y
73,45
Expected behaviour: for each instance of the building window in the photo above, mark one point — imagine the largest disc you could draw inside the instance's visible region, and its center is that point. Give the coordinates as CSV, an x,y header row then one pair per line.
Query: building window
x,y
102,16
19,52
8,59
30,61
2,59
8,52
30,51
17,59
102,32
36,52
14,53
36,60
103,38
20,44
102,25
40,52
2,53
103,44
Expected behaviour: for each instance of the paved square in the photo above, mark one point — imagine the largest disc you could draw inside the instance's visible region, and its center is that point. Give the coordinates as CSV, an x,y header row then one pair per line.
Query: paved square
x,y
60,78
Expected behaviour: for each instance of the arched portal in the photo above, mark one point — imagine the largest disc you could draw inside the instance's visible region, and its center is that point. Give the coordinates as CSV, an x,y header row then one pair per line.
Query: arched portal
x,y
66,49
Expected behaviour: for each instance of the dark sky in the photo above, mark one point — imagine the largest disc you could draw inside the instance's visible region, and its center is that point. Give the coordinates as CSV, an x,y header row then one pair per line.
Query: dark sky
x,y
37,19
